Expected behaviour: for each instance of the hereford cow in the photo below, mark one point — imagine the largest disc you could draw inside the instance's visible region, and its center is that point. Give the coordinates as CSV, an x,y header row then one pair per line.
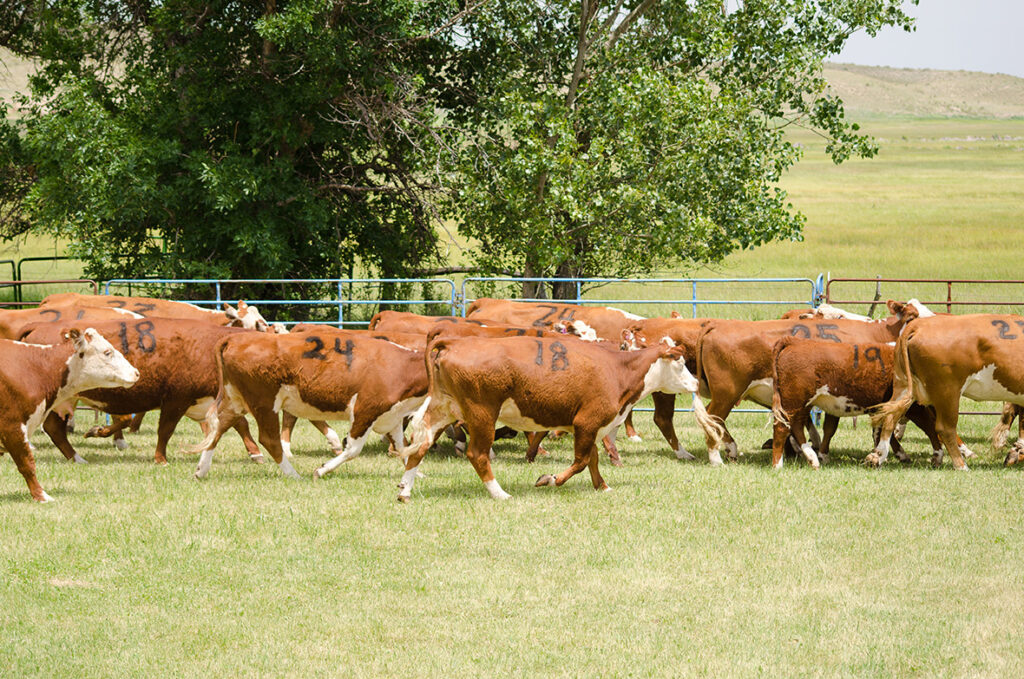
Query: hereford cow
x,y
373,383
36,377
734,359
405,321
178,372
535,384
938,359
245,316
606,322
843,380
13,321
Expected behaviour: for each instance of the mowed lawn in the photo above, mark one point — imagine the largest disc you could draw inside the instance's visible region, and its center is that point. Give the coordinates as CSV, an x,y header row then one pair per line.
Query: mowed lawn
x,y
681,570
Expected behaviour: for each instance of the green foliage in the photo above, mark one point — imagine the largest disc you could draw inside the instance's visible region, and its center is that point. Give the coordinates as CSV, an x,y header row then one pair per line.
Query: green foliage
x,y
616,140
223,139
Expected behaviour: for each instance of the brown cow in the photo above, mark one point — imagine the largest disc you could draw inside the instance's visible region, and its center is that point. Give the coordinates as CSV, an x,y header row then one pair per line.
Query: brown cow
x,y
734,359
938,359
36,377
150,307
13,321
178,375
405,321
843,380
606,322
535,384
1001,433
318,376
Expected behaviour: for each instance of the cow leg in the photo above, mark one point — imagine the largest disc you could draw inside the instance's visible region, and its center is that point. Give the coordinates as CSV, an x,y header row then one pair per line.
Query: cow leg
x,y
780,432
534,439
812,433
797,426
17,445
584,448
613,452
269,428
219,418
720,409
241,425
631,433
333,440
828,430
169,418
55,427
481,438
947,407
354,442
924,418
664,410
136,423
287,424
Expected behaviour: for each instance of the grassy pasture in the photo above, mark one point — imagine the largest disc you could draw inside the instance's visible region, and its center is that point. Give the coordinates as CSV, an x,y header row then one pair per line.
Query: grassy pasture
x,y
682,570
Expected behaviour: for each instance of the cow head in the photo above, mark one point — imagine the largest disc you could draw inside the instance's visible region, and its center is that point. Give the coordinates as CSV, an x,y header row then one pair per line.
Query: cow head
x,y
246,316
575,327
96,364
669,371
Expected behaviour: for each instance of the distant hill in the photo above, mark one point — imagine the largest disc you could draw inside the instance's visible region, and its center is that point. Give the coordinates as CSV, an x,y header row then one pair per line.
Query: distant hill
x,y
883,91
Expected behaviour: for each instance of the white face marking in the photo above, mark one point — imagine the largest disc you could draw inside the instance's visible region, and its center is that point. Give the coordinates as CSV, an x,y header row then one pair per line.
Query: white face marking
x,y
760,392
922,310
840,406
829,311
96,364
577,328
511,416
669,376
983,386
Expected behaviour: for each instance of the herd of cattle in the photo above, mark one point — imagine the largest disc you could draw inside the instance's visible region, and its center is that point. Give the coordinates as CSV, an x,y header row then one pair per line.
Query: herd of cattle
x,y
530,367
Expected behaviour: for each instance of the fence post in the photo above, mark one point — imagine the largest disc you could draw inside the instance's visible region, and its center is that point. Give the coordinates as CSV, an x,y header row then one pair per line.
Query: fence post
x,y
694,298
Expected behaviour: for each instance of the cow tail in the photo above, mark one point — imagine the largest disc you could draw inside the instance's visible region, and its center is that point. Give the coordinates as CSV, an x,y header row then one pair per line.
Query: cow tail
x,y
712,425
889,413
1002,430
212,420
778,413
421,429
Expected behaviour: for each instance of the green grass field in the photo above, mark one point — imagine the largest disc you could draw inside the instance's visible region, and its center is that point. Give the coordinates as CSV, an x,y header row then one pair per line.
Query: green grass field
x,y
682,570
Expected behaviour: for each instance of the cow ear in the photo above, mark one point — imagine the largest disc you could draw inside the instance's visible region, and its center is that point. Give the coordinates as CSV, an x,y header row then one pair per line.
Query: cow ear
x,y
230,312
73,334
242,306
627,335
676,314
895,308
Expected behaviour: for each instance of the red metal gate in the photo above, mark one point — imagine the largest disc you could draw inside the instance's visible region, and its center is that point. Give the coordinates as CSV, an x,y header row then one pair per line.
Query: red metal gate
x,y
1013,291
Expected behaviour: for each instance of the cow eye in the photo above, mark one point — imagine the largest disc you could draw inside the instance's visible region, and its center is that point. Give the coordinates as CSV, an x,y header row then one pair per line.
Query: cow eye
x,y
108,353
81,354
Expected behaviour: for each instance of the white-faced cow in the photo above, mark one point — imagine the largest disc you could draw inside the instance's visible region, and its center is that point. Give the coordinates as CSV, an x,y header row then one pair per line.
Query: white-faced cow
x,y
319,376
175,359
734,359
35,377
536,384
940,359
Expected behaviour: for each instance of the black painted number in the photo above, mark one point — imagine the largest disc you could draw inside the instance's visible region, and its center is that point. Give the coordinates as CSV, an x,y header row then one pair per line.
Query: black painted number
x,y
315,352
147,341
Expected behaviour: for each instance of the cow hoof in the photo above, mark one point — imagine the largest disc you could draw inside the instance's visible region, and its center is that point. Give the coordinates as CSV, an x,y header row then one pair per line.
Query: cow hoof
x,y
78,459
873,460
160,461
936,460
546,480
404,499
965,468
1011,457
635,438
258,459
824,459
318,473
767,445
683,454
121,444
44,498
616,461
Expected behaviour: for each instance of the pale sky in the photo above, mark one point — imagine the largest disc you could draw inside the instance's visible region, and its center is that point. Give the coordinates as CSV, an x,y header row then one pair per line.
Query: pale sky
x,y
968,35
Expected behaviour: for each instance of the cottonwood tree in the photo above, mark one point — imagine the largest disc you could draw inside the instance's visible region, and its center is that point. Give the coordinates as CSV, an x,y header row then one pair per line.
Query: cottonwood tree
x,y
610,138
214,138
